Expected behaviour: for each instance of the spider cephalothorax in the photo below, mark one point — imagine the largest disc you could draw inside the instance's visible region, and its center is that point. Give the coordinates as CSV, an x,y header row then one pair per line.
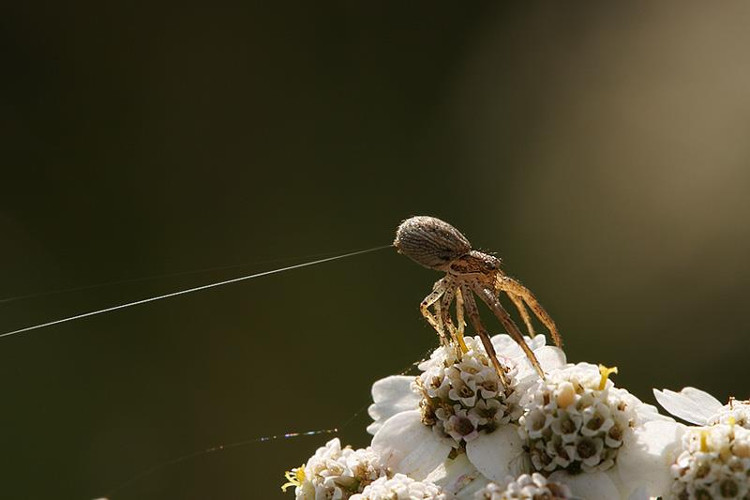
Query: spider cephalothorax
x,y
437,245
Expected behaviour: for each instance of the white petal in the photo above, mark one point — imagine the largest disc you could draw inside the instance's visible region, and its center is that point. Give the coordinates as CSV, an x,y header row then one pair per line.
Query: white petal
x,y
391,395
690,404
644,462
499,454
408,446
549,357
537,342
589,486
459,477
506,346
639,494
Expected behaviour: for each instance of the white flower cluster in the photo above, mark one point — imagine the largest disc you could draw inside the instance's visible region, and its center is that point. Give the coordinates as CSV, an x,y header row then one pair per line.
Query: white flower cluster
x,y
335,472
401,487
576,420
456,431
526,487
713,459
715,463
462,397
737,412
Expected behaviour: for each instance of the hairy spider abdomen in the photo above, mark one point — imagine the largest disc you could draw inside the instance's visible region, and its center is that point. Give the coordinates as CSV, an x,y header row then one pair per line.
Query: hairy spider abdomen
x,y
430,242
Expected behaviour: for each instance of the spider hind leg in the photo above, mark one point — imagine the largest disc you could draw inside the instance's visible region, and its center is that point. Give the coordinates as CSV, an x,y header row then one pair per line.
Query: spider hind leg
x,y
488,297
513,287
518,302
473,313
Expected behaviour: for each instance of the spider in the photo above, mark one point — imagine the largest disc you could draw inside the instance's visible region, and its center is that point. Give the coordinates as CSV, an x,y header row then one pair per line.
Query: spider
x,y
437,245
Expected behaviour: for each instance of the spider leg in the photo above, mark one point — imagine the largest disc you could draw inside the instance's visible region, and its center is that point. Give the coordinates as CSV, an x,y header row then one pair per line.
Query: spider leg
x,y
443,320
488,297
460,318
513,287
445,317
441,286
473,313
518,302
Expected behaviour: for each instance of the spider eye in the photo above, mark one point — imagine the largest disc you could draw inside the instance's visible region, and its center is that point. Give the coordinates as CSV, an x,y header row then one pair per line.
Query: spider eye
x,y
430,242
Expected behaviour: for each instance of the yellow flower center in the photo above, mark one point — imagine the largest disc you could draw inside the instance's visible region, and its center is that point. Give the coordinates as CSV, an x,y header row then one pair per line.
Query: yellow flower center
x,y
294,477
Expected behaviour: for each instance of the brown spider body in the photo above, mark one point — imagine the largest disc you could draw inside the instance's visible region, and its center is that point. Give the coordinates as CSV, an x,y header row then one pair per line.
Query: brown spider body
x,y
437,245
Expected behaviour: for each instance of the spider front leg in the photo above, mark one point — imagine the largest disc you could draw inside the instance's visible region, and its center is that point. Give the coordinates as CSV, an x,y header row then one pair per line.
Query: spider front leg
x,y
434,320
488,297
460,318
473,312
513,287
442,309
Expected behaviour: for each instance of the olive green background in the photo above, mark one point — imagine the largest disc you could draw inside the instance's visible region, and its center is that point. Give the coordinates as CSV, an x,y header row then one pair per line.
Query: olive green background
x,y
600,148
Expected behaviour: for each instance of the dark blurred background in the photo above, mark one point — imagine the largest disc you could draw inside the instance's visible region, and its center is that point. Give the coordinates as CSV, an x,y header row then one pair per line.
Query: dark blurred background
x,y
600,148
